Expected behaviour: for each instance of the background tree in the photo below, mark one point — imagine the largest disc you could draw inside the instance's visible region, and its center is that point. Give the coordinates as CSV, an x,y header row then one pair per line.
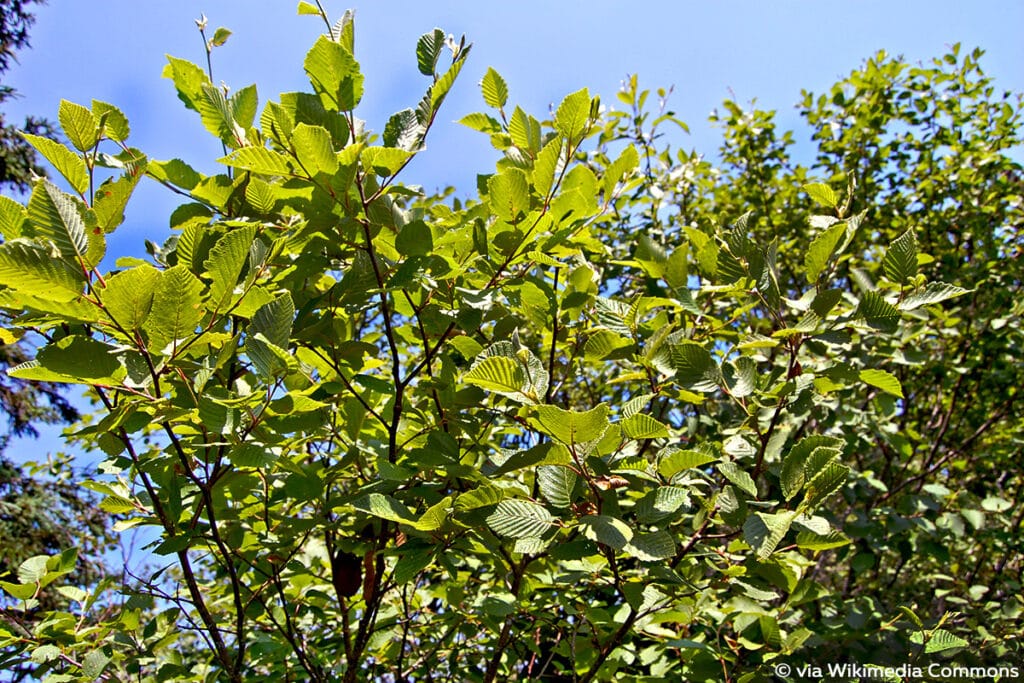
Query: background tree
x,y
43,510
628,414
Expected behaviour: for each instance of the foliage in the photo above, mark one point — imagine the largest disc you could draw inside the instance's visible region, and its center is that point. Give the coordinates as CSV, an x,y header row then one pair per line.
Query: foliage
x,y
626,415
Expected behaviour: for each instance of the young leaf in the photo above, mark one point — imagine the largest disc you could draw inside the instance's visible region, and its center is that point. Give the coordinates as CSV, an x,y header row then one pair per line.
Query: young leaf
x,y
225,263
55,216
259,160
128,296
177,308
31,269
428,50
900,262
763,531
821,250
67,163
931,293
883,380
79,125
334,74
822,194
313,149
114,124
494,89
573,115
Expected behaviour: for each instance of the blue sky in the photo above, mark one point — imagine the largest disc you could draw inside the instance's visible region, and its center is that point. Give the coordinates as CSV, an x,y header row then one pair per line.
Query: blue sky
x,y
115,51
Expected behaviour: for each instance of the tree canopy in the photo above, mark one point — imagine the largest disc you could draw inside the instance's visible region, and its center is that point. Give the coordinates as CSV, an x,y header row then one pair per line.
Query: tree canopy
x,y
630,413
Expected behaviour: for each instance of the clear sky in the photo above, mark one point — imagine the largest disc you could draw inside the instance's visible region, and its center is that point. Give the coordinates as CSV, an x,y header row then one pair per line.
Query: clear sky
x,y
114,50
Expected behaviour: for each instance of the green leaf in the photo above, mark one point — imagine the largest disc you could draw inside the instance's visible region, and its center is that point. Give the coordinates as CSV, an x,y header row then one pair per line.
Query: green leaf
x,y
571,427
741,376
556,484
822,194
113,121
128,295
642,426
763,531
314,149
274,320
308,8
385,507
94,663
674,461
821,251
520,519
404,131
411,562
878,312
573,115
651,547
494,89
826,482
695,368
74,360
177,308
414,239
809,540
334,74
792,476
500,375
268,335
739,477
220,36
225,262
509,194
34,569
111,199
31,269
79,125
545,166
481,123
524,131
259,160
12,218
67,163
384,161
931,293
434,517
603,344
619,169
900,262
884,380
938,640
661,503
428,50
56,216
608,530
444,84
